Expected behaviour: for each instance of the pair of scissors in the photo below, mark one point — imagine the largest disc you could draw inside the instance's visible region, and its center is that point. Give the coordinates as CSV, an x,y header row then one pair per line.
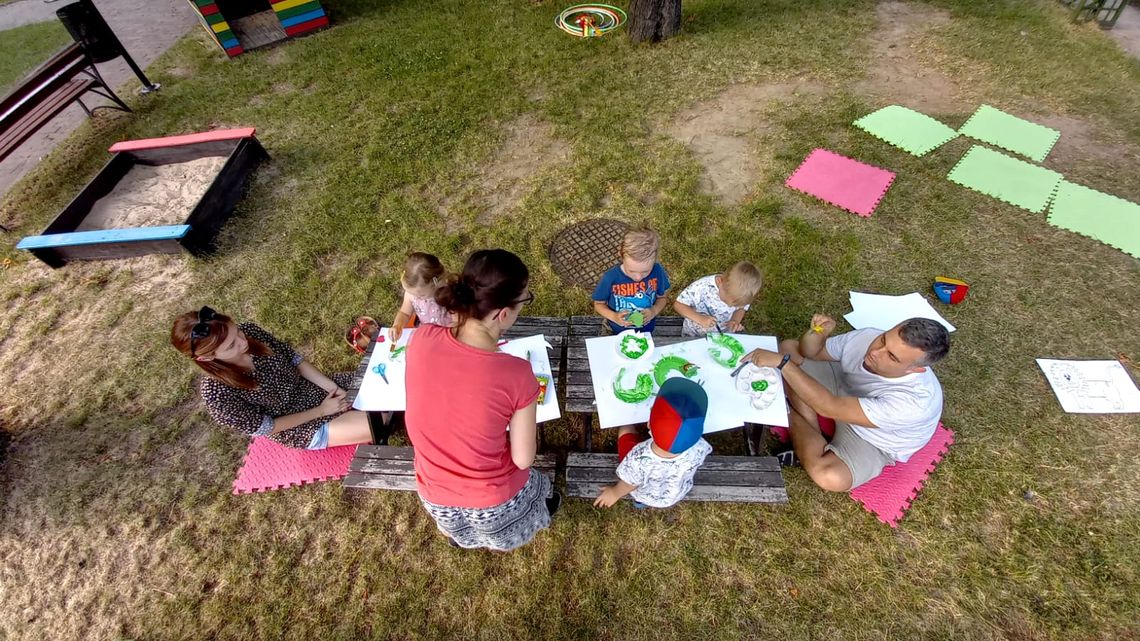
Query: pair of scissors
x,y
381,369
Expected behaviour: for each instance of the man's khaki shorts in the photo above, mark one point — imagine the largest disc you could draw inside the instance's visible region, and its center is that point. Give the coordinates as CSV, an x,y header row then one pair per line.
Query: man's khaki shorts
x,y
863,459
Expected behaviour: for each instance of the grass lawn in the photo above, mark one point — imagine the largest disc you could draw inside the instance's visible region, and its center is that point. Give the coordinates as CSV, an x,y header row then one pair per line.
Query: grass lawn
x,y
394,130
27,46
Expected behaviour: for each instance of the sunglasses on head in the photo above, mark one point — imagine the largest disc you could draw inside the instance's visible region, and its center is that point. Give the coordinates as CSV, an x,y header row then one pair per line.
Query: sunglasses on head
x,y
201,329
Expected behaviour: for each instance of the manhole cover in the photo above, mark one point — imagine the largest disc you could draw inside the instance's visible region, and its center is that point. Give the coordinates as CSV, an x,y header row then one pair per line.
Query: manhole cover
x,y
582,252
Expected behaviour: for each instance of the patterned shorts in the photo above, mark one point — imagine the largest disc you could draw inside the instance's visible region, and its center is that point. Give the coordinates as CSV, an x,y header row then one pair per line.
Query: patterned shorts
x,y
501,527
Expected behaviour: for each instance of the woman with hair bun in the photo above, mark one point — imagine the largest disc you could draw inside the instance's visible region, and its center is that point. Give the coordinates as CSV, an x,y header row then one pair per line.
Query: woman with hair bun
x,y
473,475
259,386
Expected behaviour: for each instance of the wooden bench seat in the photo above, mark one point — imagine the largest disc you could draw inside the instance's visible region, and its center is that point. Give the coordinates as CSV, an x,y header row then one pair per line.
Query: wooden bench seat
x,y
41,95
384,467
736,479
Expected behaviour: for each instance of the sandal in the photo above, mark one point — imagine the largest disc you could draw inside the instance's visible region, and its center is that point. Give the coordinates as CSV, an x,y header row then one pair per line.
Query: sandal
x,y
361,333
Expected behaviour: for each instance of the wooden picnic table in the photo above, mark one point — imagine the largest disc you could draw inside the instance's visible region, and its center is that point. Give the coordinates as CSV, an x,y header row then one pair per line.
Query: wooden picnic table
x,y
555,328
580,382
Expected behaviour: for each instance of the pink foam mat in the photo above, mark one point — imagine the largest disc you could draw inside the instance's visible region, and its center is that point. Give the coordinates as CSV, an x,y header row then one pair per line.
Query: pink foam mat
x,y
841,181
888,496
269,466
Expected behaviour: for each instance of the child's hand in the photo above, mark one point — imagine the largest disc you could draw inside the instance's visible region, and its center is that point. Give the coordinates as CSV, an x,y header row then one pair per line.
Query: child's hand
x,y
825,323
394,333
620,318
707,323
608,497
647,315
734,326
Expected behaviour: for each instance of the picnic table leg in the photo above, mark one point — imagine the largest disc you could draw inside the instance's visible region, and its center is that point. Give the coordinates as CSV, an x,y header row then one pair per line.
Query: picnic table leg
x,y
754,436
584,424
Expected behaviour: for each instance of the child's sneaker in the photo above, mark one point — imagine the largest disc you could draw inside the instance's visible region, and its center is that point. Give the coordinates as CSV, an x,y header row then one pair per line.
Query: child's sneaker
x,y
787,458
553,503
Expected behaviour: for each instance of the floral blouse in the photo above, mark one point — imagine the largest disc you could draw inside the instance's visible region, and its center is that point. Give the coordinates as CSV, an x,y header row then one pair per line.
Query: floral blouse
x,y
281,391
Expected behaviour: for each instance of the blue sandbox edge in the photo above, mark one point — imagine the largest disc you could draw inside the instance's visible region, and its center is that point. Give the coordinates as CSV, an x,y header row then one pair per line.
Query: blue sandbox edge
x,y
105,236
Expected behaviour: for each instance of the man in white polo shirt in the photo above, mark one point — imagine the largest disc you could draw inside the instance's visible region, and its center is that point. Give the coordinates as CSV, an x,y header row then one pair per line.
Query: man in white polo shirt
x,y
878,386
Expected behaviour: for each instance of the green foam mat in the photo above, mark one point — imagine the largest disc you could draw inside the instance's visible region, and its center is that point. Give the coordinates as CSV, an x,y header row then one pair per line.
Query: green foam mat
x,y
909,130
1104,217
1009,179
1010,133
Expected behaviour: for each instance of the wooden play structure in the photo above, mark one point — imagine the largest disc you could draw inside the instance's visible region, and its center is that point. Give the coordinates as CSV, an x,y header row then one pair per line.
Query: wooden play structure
x,y
240,25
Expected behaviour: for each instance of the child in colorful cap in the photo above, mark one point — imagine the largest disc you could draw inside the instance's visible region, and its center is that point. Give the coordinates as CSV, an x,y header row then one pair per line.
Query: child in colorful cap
x,y
659,472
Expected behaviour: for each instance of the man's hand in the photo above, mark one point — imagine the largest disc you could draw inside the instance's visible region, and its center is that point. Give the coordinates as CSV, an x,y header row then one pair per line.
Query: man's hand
x,y
823,324
763,358
608,497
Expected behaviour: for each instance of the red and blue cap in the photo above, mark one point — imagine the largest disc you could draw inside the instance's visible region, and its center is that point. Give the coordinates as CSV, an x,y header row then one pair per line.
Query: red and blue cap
x,y
677,420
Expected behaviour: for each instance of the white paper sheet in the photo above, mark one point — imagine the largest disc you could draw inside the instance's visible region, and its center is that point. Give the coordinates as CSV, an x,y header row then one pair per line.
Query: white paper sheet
x,y
728,408
884,312
1092,387
375,395
536,346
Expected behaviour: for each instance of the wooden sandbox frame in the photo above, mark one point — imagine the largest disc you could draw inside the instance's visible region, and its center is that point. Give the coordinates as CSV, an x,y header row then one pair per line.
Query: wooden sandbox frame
x,y
59,243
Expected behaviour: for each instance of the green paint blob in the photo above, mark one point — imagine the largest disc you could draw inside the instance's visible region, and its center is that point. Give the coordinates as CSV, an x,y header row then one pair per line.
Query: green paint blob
x,y
637,318
633,346
673,363
641,390
734,349
759,386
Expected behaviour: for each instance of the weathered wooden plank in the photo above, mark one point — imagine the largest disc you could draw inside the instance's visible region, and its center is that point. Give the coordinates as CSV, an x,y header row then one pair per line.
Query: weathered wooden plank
x,y
579,391
401,482
713,462
746,478
580,406
728,494
393,452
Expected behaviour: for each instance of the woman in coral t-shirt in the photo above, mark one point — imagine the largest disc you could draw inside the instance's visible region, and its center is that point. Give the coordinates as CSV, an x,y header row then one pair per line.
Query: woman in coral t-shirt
x,y
473,476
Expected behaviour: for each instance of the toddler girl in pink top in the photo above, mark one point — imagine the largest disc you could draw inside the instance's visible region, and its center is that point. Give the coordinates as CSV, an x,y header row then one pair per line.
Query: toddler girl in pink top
x,y
423,276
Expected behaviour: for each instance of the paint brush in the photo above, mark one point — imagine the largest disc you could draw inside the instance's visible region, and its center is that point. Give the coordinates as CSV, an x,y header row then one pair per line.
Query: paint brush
x,y
737,370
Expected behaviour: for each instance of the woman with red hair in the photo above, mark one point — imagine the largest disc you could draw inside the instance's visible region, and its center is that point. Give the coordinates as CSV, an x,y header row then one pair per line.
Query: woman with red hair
x,y
259,386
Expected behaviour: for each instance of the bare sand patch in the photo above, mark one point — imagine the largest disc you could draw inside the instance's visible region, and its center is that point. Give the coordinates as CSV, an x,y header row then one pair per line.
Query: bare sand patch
x,y
528,149
1085,142
496,186
902,70
720,134
151,195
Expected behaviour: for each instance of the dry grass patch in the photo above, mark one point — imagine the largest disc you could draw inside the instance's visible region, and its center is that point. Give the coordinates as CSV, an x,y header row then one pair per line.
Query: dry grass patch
x,y
722,133
496,187
903,67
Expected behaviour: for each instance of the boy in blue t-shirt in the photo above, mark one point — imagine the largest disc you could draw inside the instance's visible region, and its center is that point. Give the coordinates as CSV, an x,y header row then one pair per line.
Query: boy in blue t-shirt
x,y
632,293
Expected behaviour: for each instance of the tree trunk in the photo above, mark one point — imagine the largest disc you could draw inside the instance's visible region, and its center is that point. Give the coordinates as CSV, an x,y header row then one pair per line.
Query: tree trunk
x,y
654,20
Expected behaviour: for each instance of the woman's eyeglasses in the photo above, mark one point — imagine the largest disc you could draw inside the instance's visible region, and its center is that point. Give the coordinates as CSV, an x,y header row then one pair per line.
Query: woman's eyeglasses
x,y
201,329
529,298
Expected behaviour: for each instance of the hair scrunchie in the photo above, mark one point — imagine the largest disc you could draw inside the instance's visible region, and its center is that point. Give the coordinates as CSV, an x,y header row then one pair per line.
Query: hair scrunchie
x,y
464,293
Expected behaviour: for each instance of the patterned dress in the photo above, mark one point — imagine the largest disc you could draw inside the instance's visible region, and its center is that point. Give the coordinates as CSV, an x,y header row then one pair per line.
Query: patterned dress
x,y
281,390
429,311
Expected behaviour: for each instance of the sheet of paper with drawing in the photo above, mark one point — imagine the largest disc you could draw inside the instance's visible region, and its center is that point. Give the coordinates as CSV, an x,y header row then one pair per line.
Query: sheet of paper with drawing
x,y
383,386
534,350
626,379
884,312
1092,387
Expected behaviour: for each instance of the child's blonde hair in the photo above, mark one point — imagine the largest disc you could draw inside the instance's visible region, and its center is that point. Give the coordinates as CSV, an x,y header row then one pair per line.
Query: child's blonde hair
x,y
641,243
743,279
423,270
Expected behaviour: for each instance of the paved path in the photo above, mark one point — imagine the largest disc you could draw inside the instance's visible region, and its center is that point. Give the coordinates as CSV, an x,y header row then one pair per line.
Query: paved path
x,y
1127,30
145,27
